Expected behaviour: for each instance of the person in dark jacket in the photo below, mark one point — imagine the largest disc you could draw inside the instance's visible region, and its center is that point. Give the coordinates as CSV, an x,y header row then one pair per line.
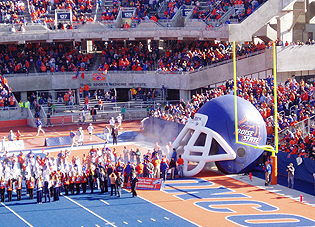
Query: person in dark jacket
x,y
115,135
119,183
91,178
133,182
97,177
173,167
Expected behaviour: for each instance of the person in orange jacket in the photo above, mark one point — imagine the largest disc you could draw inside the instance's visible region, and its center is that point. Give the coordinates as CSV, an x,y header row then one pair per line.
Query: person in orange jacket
x,y
139,169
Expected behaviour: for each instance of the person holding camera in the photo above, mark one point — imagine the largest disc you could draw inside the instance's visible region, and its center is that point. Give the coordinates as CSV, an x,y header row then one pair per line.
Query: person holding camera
x,y
290,170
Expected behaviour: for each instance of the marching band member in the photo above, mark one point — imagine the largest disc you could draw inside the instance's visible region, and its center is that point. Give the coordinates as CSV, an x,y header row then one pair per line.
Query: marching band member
x,y
18,187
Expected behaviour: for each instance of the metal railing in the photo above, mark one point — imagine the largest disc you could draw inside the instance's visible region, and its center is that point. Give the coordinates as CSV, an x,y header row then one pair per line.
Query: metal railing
x,y
304,126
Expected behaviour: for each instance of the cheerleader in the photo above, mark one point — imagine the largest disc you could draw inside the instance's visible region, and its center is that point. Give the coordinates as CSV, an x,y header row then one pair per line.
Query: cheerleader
x,y
18,187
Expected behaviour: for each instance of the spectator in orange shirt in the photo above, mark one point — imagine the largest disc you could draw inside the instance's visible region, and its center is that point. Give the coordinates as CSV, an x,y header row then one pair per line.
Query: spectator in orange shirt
x,y
139,169
66,98
86,90
126,26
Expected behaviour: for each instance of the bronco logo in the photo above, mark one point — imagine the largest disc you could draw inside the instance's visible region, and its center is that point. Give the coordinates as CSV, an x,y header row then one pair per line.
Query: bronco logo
x,y
249,131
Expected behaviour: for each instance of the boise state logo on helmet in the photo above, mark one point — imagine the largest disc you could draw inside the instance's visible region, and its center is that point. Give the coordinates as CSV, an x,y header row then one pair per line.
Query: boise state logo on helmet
x,y
210,137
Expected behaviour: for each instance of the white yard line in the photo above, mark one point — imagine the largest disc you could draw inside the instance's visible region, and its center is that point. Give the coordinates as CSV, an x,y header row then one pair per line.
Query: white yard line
x,y
96,215
17,215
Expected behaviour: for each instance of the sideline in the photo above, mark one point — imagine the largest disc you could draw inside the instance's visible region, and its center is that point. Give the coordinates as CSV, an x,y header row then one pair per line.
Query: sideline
x,y
107,222
16,215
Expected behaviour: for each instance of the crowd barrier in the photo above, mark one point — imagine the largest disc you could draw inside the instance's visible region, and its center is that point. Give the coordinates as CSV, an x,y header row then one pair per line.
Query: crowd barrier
x,y
304,167
15,145
148,184
56,141
61,119
13,123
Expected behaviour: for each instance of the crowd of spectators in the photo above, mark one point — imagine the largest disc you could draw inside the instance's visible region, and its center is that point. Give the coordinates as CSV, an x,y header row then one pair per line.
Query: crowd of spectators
x,y
109,13
11,12
133,56
6,96
53,57
179,56
63,57
296,103
15,59
81,10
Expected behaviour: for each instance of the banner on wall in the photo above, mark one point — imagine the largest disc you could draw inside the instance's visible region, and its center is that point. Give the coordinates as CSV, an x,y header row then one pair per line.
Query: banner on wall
x,y
98,77
16,145
148,183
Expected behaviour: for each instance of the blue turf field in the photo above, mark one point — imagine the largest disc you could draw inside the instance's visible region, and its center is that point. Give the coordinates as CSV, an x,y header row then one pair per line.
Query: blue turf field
x,y
88,210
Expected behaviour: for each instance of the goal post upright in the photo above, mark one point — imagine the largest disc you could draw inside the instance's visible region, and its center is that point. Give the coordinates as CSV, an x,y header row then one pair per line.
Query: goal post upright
x,y
274,176
272,149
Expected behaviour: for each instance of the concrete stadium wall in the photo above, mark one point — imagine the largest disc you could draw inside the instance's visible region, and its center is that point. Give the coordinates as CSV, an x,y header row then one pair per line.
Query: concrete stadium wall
x,y
295,58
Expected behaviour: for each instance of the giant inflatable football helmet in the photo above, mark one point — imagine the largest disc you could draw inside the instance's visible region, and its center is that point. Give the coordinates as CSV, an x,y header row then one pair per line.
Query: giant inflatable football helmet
x,y
210,137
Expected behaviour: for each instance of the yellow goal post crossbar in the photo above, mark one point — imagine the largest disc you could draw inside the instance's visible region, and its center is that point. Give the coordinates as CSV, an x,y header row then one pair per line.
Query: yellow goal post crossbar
x,y
269,148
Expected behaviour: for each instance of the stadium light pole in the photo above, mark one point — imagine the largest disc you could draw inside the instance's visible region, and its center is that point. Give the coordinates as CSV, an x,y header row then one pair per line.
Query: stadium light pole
x,y
269,148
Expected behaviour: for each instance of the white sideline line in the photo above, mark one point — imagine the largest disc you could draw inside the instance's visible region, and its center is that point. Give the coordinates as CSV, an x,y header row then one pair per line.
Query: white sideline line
x,y
107,222
169,211
104,202
17,215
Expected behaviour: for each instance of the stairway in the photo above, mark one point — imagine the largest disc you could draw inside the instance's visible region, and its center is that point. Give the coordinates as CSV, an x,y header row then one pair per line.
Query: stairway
x,y
245,30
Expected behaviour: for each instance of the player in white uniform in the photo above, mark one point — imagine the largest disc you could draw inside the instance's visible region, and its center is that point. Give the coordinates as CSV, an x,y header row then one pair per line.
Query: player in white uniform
x,y
119,120
90,130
